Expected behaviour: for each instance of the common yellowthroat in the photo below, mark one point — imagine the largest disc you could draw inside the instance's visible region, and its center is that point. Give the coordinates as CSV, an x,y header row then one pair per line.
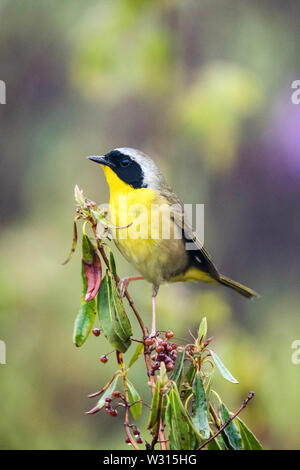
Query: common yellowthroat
x,y
143,208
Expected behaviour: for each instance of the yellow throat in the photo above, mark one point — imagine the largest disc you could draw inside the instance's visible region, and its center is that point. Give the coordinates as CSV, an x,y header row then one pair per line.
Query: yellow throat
x,y
126,203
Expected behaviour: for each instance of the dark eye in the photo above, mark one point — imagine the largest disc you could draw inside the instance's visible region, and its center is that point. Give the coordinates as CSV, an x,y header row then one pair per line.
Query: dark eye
x,y
125,162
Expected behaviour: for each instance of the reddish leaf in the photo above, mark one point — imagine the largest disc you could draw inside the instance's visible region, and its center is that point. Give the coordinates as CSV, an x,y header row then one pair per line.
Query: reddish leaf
x,y
93,274
93,411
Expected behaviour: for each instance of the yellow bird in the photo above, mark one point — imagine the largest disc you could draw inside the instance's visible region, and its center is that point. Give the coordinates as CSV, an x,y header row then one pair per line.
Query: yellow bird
x,y
151,230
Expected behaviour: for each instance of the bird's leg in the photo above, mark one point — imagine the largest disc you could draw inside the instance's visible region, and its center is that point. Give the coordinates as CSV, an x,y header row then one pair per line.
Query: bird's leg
x,y
123,283
154,294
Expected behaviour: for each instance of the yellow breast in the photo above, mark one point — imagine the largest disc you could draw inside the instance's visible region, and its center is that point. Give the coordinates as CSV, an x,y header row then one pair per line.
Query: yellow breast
x,y
140,217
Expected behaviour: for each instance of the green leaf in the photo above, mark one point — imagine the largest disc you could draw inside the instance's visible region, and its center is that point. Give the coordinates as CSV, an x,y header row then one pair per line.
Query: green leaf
x,y
139,350
133,396
162,378
182,432
84,322
250,441
200,418
231,431
202,329
154,412
86,315
107,317
217,444
178,368
88,249
112,265
188,380
224,371
123,326
108,392
213,445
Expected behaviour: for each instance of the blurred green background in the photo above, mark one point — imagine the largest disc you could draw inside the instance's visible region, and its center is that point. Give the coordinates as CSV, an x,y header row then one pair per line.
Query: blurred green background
x,y
205,87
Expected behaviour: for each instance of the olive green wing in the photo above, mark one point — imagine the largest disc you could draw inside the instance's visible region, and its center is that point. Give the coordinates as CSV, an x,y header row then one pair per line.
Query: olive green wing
x,y
198,255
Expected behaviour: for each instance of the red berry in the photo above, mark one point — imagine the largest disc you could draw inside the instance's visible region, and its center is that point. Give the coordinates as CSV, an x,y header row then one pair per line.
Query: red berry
x,y
139,440
148,341
96,331
136,432
107,406
159,348
113,413
116,394
161,357
164,343
169,348
103,359
174,346
173,355
169,334
108,399
127,440
156,366
170,366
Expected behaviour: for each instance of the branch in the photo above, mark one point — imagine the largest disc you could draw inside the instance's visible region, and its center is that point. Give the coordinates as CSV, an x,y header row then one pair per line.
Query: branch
x,y
127,406
244,404
145,332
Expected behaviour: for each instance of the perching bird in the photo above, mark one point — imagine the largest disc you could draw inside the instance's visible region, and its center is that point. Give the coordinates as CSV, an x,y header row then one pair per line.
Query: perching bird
x,y
151,231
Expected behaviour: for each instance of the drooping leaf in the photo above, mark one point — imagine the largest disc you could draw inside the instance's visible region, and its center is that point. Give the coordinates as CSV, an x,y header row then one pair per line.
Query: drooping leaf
x,y
224,371
250,441
181,428
86,315
93,274
135,398
139,350
123,326
107,393
178,368
84,322
231,431
88,249
154,412
102,390
74,242
107,316
112,265
200,418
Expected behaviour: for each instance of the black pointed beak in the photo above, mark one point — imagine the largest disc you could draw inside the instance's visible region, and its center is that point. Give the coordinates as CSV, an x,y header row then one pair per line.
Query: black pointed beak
x,y
99,159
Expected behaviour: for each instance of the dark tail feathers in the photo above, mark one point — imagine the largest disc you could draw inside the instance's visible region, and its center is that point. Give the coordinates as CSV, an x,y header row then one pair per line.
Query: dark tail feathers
x,y
243,290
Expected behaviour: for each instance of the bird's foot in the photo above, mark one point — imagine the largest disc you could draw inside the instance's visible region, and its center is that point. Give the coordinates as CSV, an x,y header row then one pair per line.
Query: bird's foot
x,y
153,334
123,283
